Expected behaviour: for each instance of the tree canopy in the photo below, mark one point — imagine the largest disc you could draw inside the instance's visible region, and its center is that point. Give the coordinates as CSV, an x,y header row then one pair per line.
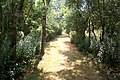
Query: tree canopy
x,y
27,25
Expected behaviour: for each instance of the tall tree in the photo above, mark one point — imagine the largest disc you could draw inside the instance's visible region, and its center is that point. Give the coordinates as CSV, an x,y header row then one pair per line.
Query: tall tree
x,y
15,18
43,32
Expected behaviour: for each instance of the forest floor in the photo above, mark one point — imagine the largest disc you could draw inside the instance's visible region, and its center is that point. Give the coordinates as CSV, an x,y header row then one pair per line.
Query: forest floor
x,y
63,61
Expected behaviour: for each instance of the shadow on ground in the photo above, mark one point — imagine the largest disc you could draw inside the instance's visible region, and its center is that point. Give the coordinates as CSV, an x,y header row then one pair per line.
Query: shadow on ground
x,y
63,61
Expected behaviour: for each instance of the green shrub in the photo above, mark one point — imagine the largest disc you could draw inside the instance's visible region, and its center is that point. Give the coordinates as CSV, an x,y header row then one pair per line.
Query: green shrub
x,y
76,39
73,36
9,69
52,32
111,52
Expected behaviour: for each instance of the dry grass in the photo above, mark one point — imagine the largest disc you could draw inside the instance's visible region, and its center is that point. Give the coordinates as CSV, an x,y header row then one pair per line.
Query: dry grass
x,y
62,61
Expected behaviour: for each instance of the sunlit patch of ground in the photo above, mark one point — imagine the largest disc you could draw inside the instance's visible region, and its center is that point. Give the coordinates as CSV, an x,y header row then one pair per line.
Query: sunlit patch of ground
x,y
63,61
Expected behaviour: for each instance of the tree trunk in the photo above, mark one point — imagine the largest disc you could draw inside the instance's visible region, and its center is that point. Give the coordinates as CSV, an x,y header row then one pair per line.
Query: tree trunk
x,y
89,33
15,19
43,32
103,23
89,12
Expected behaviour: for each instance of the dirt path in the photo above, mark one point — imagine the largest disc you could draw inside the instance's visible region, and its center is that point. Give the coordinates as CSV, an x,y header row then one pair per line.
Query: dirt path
x,y
63,61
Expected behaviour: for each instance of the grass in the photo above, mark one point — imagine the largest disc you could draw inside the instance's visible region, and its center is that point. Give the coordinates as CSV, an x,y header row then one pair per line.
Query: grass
x,y
63,61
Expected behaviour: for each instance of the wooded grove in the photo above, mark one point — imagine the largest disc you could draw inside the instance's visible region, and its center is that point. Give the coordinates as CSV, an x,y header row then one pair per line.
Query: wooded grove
x,y
27,25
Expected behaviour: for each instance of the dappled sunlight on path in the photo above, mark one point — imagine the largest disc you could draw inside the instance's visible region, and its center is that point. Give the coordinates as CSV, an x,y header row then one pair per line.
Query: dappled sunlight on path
x,y
53,59
63,61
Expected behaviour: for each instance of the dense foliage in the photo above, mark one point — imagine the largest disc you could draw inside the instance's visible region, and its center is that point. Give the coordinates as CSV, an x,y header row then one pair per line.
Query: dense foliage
x,y
94,26
20,35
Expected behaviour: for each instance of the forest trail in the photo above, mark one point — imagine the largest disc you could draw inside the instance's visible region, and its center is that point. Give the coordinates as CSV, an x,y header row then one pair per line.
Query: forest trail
x,y
63,61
